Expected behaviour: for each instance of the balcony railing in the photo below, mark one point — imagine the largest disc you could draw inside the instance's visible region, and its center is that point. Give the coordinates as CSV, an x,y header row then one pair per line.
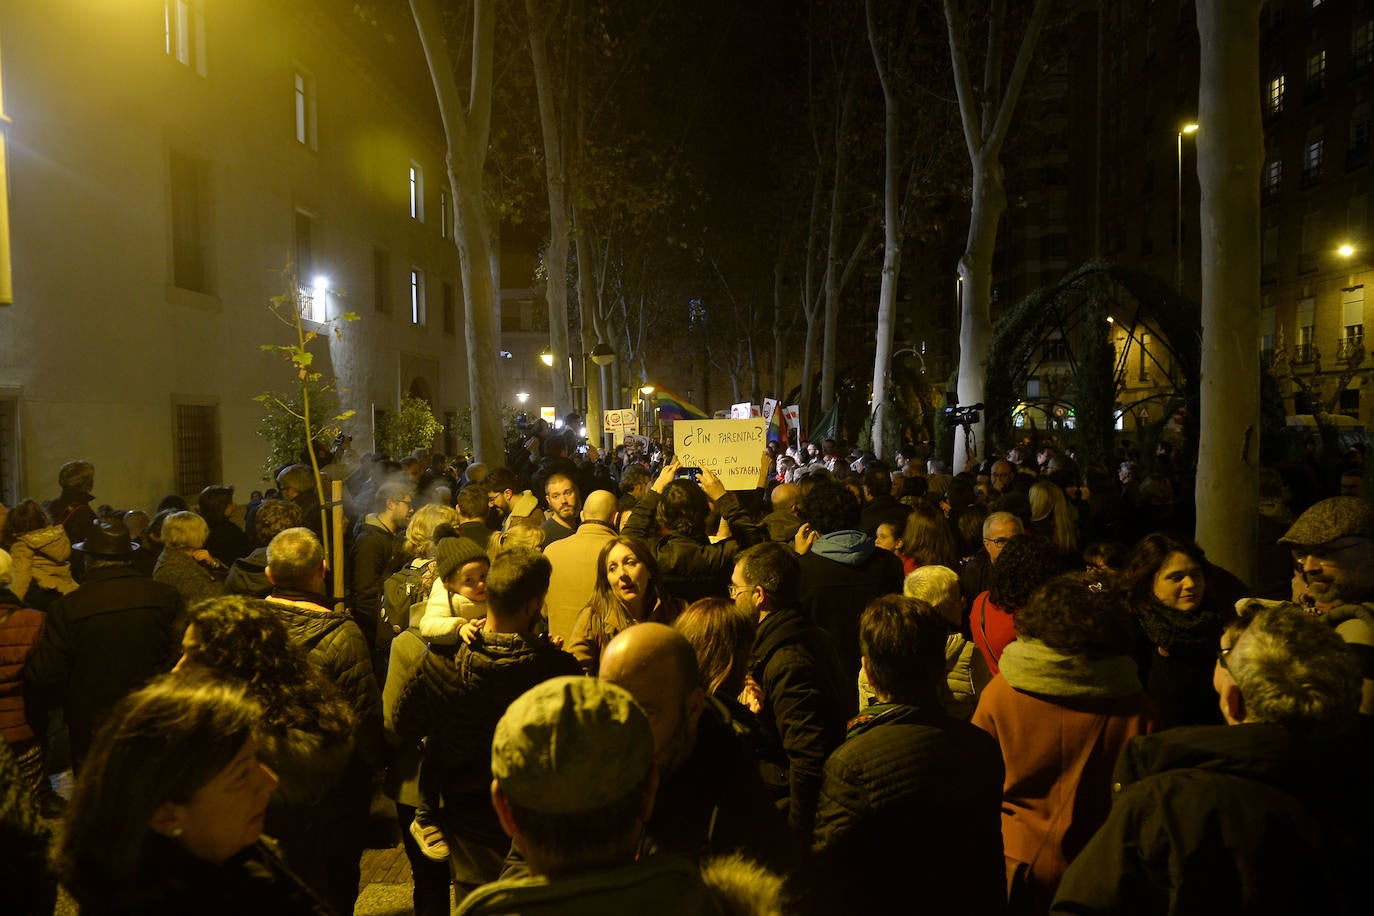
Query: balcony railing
x,y
1346,347
1303,354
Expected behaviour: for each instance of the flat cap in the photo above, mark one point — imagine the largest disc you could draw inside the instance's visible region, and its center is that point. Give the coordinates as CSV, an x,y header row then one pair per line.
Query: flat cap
x,y
571,745
1330,519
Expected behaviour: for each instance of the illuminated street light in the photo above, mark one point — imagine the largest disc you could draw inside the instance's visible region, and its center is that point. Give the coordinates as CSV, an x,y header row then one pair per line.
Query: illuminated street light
x,y
321,285
1346,250
522,396
647,389
547,356
1190,128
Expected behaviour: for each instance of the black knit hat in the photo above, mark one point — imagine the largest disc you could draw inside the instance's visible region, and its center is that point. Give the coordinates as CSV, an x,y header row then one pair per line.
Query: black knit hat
x,y
454,553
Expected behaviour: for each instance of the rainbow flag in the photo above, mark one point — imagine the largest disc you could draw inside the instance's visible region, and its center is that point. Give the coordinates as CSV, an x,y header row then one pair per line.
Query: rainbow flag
x,y
673,407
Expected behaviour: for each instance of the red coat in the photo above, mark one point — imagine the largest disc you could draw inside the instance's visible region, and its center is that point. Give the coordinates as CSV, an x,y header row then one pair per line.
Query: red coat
x,y
993,628
1042,741
19,633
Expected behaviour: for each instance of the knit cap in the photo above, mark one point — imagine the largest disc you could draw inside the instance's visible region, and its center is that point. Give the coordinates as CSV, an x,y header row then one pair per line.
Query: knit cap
x,y
570,745
453,553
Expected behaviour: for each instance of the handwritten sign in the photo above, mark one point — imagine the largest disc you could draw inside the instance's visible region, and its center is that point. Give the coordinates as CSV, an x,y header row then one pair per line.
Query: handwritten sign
x,y
730,449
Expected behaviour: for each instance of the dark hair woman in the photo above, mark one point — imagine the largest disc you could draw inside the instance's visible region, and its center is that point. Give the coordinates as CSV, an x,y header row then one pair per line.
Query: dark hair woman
x,y
627,591
307,733
1025,562
722,637
1064,705
927,541
167,815
1166,587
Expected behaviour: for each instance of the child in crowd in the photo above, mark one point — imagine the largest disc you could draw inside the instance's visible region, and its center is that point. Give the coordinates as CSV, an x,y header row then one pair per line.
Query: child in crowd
x,y
459,596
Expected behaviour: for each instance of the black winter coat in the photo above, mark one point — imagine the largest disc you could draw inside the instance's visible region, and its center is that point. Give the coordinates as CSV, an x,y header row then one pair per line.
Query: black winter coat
x,y
807,702
1230,819
833,593
336,646
455,700
912,800
105,640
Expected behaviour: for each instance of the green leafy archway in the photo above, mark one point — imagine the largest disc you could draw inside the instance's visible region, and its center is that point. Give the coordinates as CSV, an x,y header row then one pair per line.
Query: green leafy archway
x,y
1048,329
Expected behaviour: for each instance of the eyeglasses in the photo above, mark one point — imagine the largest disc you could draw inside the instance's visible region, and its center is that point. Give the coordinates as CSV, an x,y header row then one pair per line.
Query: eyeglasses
x,y
1325,554
997,542
736,589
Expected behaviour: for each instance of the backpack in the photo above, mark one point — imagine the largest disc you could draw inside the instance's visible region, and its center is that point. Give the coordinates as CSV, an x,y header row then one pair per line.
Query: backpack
x,y
408,586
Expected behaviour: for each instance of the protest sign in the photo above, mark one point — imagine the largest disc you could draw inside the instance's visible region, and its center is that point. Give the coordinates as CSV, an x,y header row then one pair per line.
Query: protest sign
x,y
730,449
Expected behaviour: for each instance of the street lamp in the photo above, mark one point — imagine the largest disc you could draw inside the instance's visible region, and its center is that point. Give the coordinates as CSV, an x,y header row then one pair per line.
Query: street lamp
x,y
522,396
1190,129
603,355
1346,250
547,356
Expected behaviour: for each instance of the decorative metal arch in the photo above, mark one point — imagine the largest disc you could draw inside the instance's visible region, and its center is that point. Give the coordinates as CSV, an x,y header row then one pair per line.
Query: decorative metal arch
x,y
1048,330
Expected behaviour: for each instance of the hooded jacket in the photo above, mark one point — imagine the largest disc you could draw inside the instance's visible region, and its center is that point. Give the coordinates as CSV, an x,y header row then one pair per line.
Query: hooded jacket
x,y
455,700
42,558
248,575
20,630
1228,819
840,574
1061,721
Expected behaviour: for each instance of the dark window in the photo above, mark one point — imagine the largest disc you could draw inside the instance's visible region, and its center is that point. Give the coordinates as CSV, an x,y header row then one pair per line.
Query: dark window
x,y
197,447
190,223
381,280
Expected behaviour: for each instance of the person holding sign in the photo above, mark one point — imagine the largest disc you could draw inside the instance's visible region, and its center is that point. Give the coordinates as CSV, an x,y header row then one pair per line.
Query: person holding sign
x,y
672,518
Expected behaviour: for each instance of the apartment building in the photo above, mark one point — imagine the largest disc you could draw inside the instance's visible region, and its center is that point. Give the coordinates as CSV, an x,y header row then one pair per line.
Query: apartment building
x,y
170,166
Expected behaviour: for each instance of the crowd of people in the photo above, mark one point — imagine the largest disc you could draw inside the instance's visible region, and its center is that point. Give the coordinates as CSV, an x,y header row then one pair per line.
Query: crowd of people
x,y
601,682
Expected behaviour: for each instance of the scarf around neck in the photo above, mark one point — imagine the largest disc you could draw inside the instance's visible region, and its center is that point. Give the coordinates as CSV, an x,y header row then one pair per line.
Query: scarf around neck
x,y
1031,666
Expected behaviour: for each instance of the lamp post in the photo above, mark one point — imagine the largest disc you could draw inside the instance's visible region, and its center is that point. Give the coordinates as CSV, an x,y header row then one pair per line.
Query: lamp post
x,y
644,393
603,355
1189,129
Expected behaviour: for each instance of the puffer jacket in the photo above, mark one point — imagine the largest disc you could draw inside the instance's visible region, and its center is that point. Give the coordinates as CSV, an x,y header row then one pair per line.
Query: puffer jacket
x,y
42,558
912,799
690,569
20,630
455,700
336,646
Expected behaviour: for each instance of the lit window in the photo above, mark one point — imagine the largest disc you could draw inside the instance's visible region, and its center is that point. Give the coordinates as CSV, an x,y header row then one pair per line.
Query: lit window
x,y
417,296
417,193
184,25
1275,103
1273,176
1312,159
305,109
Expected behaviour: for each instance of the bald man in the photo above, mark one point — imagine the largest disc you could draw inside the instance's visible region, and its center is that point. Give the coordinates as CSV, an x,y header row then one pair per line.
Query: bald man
x,y
711,799
782,523
574,561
